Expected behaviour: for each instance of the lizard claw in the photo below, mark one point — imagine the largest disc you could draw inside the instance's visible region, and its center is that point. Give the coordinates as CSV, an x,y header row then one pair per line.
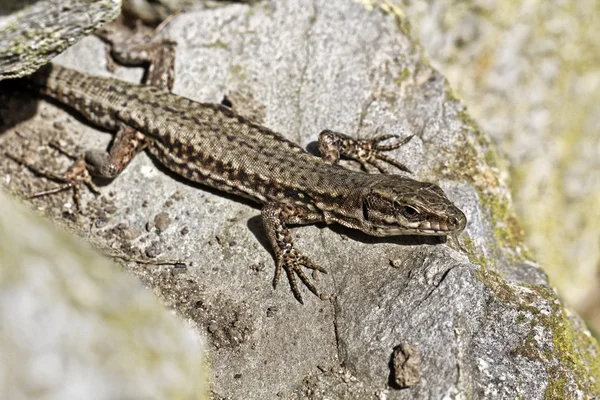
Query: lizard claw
x,y
72,179
369,151
394,146
292,262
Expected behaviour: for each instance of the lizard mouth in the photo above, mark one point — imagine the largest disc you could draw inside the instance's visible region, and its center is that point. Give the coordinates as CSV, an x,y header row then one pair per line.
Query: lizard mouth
x,y
423,228
435,227
445,226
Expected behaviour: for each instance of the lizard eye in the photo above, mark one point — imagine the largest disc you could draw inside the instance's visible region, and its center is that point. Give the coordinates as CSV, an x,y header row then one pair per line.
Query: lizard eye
x,y
409,212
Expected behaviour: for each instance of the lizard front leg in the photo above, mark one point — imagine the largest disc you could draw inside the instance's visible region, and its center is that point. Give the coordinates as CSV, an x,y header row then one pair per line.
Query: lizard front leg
x,y
287,258
334,145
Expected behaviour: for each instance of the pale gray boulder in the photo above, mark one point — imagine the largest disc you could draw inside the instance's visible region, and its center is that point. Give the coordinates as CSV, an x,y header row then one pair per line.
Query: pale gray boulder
x,y
73,325
530,74
34,32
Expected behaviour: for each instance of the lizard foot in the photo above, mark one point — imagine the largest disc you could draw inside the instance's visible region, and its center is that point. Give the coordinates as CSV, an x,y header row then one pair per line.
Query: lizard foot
x,y
292,262
71,180
365,151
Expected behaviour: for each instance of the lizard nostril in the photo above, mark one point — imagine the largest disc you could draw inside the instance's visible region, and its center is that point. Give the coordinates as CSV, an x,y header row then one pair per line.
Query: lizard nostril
x,y
454,220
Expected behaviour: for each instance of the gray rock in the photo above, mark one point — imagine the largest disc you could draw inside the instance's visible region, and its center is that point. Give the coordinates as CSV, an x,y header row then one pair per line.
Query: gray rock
x,y
44,29
73,325
530,75
406,365
485,322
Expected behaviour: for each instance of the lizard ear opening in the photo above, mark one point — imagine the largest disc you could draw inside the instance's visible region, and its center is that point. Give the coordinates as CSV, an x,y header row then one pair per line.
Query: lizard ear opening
x,y
365,209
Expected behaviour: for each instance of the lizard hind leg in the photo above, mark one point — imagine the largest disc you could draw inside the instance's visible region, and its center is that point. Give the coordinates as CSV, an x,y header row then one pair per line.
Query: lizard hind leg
x,y
70,180
334,145
95,163
158,56
127,144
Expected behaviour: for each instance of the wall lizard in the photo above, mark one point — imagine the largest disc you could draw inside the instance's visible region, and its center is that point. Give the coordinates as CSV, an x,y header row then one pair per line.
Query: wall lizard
x,y
212,145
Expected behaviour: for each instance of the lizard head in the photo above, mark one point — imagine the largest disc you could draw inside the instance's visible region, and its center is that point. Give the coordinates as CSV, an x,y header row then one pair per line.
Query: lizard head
x,y
404,206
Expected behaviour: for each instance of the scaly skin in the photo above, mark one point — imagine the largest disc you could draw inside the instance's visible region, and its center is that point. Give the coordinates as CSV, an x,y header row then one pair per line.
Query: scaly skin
x,y
212,145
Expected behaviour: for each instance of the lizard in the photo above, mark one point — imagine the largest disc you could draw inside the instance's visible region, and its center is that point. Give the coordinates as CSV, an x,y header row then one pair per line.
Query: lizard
x,y
212,145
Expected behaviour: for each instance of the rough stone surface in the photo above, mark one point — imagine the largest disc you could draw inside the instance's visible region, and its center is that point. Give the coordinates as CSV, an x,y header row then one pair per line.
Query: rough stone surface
x,y
529,73
484,321
44,29
73,325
